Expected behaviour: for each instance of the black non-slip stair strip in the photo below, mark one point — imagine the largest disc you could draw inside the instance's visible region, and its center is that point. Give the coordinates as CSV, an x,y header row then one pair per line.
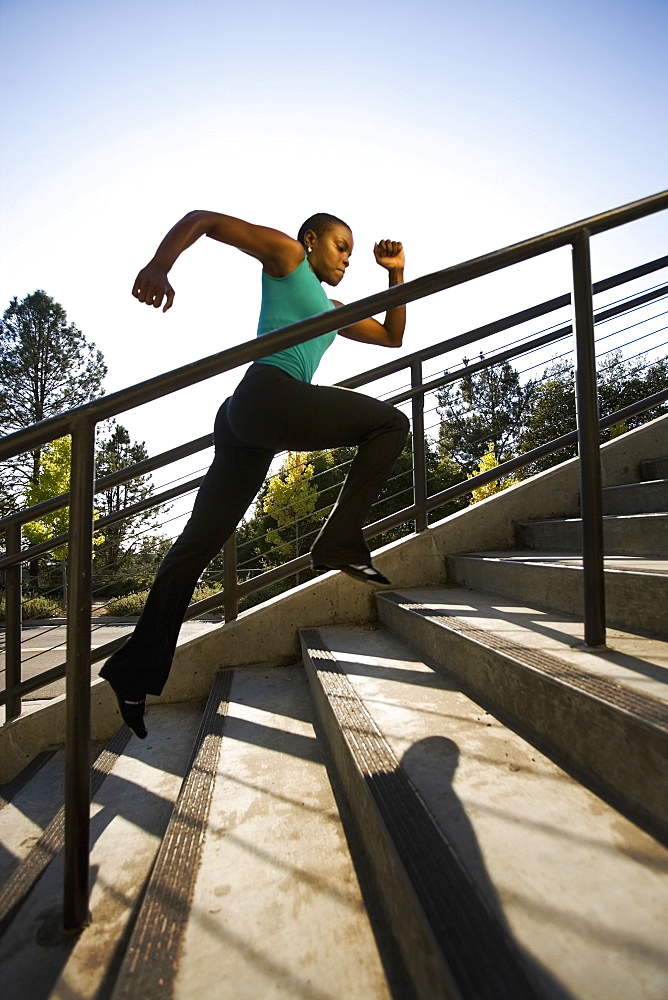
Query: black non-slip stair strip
x,y
151,958
480,954
20,884
644,707
11,789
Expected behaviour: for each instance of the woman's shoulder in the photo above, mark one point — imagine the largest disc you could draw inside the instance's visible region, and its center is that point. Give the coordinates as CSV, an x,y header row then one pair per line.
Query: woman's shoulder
x,y
300,273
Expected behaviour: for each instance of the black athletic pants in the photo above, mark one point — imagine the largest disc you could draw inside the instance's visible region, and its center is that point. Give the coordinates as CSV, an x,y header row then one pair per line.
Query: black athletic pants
x,y
270,411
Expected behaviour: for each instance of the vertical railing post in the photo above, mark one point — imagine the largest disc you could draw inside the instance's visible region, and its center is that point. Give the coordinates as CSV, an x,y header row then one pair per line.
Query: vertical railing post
x,y
419,449
230,603
588,444
77,731
13,622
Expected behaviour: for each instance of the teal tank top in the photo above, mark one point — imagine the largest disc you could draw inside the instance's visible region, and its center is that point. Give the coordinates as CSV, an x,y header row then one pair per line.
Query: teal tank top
x,y
286,300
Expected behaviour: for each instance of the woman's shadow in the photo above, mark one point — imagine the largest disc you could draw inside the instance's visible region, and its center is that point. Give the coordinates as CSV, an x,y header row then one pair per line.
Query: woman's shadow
x,y
436,759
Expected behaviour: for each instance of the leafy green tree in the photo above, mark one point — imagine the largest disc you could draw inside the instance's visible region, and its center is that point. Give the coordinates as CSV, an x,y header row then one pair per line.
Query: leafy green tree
x,y
486,406
620,383
255,537
397,493
46,366
290,497
53,480
487,463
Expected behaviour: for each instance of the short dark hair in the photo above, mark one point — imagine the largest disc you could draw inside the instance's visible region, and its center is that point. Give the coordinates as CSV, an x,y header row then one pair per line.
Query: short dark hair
x,y
319,224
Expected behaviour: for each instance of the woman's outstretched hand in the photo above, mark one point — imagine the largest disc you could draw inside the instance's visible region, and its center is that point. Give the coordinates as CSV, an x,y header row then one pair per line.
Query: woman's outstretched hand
x,y
151,286
389,254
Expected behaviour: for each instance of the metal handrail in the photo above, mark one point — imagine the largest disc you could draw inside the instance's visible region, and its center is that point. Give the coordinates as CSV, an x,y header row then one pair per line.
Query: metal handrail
x,y
80,423
147,465
419,388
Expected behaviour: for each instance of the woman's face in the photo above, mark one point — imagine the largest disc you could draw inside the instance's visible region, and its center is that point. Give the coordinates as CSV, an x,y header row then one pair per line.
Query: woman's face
x,y
329,254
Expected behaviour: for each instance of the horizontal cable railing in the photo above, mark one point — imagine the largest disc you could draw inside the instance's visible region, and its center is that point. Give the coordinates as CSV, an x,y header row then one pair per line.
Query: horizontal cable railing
x,y
80,423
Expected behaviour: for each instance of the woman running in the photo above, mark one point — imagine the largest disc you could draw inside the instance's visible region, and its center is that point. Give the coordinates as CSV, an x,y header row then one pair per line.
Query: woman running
x,y
274,408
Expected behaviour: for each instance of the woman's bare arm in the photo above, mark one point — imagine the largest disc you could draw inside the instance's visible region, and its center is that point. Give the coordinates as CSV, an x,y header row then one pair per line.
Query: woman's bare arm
x,y
390,333
278,253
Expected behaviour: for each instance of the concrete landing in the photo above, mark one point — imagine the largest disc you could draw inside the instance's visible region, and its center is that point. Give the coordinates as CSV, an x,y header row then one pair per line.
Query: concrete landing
x,y
582,891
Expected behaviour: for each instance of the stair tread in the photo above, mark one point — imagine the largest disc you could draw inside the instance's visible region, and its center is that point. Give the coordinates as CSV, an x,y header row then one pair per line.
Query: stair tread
x,y
513,817
128,815
652,515
622,563
277,908
26,816
621,487
630,535
640,663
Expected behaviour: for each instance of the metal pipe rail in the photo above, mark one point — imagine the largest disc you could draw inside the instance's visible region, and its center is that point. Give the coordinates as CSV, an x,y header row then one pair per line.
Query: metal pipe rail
x,y
80,423
418,388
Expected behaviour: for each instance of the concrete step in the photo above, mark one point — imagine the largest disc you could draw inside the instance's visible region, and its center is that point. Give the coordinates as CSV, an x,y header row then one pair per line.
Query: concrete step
x,y
255,879
129,813
633,534
27,806
649,497
505,876
636,588
656,468
603,712
31,805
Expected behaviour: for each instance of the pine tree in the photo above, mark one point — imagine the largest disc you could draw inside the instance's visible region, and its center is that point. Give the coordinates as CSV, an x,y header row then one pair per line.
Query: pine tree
x,y
46,366
489,405
116,557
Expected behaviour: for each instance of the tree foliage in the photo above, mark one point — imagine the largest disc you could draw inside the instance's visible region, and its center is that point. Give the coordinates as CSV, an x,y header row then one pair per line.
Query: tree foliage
x,y
485,406
290,497
46,366
53,480
116,556
305,490
125,556
620,383
487,463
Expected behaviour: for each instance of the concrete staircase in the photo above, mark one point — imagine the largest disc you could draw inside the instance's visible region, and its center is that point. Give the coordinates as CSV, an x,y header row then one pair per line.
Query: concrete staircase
x,y
454,799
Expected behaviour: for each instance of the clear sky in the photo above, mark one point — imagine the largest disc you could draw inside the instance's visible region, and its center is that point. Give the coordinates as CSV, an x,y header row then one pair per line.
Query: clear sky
x,y
455,127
